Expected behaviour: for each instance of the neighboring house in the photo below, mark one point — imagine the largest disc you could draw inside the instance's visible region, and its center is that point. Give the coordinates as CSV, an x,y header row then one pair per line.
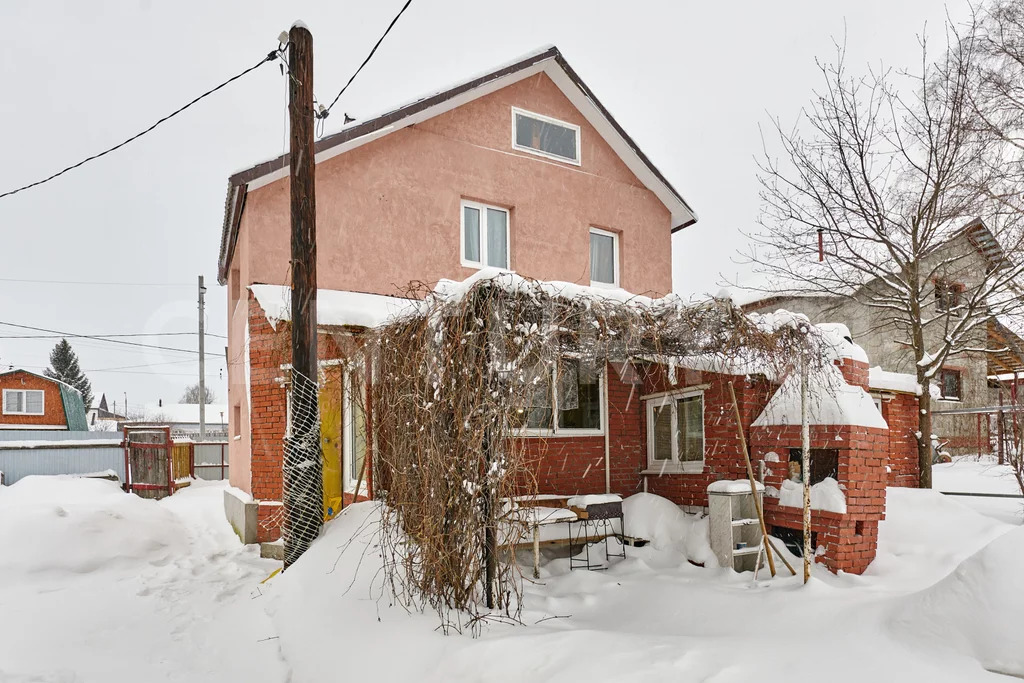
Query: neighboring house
x,y
964,382
32,401
183,419
520,169
101,418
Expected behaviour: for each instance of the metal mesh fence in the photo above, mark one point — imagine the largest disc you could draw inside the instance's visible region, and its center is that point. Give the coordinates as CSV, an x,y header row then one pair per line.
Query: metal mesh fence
x,y
303,469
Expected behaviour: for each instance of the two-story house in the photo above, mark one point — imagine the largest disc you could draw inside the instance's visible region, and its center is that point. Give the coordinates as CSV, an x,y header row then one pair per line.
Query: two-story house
x,y
521,168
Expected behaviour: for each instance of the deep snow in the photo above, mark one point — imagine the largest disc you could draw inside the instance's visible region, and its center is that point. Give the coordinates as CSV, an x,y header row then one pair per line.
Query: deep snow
x,y
101,586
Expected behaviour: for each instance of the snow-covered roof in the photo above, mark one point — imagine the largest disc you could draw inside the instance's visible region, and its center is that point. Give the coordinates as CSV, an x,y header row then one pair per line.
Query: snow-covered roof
x,y
838,342
547,60
185,413
334,308
831,401
514,282
884,380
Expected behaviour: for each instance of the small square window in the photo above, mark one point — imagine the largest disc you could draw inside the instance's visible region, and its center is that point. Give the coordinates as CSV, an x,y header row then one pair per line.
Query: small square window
x,y
545,136
947,295
951,384
604,258
484,236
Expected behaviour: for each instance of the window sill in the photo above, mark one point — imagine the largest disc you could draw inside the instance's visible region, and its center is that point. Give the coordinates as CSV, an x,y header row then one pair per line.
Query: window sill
x,y
560,434
689,468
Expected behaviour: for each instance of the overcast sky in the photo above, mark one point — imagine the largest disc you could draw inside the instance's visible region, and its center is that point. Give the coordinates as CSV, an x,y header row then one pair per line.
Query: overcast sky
x,y
690,81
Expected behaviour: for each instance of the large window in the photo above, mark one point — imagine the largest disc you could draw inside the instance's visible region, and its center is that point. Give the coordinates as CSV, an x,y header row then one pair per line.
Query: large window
x,y
951,384
484,235
567,400
545,136
604,258
675,432
23,402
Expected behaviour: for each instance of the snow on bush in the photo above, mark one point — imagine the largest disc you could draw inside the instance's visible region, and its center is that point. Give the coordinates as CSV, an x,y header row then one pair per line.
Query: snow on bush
x,y
978,608
667,527
76,525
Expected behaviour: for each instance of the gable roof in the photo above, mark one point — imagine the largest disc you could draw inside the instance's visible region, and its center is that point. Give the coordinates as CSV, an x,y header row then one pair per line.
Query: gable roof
x,y
548,60
36,374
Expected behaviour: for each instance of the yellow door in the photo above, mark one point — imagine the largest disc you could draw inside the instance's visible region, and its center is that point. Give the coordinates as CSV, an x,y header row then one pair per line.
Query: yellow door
x,y
331,440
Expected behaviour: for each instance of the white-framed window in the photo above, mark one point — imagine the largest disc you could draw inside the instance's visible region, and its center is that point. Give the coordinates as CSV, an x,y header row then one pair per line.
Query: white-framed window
x,y
23,402
545,136
675,432
604,258
354,434
567,401
484,235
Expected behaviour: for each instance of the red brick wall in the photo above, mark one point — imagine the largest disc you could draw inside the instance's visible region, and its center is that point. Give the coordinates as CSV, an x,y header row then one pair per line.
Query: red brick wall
x,y
575,464
53,404
849,539
855,372
723,453
901,414
268,350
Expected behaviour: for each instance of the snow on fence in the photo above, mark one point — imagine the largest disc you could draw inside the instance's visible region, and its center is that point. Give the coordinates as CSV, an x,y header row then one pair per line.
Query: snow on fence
x,y
25,453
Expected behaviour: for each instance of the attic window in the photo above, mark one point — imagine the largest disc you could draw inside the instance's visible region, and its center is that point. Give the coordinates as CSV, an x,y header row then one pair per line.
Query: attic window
x,y
951,384
545,136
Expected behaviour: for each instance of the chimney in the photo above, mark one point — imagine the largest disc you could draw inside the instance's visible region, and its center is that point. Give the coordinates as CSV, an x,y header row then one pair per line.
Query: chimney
x,y
160,403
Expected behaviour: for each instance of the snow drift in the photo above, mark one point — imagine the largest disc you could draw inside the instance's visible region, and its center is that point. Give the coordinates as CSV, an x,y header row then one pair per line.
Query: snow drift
x,y
75,525
978,609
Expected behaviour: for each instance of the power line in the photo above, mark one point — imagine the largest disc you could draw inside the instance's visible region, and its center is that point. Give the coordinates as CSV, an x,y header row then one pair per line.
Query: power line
x,y
109,336
270,57
323,113
96,338
103,284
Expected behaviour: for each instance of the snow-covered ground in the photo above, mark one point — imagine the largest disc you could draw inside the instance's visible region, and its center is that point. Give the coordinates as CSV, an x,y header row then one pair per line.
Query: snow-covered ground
x,y
974,474
96,585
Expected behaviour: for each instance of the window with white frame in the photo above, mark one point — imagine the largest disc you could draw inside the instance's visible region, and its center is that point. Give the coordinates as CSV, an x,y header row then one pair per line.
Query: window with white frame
x,y
23,402
604,258
484,235
566,400
545,136
675,431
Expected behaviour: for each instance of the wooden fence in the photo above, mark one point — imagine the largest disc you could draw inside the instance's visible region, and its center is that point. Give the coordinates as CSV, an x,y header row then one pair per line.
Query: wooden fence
x,y
156,466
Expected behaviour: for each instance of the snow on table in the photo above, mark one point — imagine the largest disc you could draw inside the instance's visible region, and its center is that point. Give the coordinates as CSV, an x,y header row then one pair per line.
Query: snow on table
x,y
583,502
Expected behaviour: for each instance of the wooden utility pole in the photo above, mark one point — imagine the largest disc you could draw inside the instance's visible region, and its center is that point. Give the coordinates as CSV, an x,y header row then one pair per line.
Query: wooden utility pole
x,y
202,360
303,479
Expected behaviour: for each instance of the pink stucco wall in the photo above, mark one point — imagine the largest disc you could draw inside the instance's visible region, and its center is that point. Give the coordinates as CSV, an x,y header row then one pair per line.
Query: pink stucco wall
x,y
388,213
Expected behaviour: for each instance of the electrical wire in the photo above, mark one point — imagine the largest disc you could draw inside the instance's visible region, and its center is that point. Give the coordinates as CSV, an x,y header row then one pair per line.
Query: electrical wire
x,y
102,339
270,57
109,336
324,112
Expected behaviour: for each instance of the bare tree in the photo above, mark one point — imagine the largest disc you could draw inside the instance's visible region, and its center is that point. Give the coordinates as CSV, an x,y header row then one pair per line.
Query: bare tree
x,y
887,179
191,395
1000,96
